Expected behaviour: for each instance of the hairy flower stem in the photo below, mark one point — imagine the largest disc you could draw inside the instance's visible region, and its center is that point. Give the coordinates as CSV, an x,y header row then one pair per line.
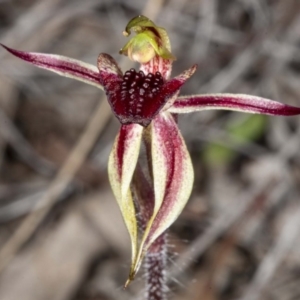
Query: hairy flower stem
x,y
155,268
156,256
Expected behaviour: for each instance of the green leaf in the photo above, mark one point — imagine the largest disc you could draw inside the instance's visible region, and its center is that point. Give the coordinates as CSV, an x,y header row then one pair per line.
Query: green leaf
x,y
246,130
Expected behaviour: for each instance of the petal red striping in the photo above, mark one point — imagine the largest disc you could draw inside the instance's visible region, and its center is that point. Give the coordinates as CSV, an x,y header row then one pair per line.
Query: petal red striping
x,y
126,134
179,173
236,102
68,66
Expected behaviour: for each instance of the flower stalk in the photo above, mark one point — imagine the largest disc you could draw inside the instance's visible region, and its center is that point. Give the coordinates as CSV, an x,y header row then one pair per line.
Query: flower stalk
x,y
155,270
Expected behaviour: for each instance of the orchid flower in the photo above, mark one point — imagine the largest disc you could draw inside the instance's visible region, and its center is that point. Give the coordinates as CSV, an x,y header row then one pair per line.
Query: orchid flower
x,y
146,102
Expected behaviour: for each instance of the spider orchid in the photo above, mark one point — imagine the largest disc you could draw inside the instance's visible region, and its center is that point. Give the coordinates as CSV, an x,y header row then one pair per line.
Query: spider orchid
x,y
147,102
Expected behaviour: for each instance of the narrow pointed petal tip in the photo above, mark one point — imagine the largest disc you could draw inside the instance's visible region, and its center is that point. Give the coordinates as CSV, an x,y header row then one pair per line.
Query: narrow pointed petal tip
x,y
61,65
234,102
132,274
184,76
128,281
175,84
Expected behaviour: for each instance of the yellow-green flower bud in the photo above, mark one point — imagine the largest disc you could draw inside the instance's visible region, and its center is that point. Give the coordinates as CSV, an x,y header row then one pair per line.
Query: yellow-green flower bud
x,y
150,40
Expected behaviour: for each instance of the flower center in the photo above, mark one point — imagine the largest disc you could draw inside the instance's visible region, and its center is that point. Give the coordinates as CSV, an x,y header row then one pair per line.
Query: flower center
x,y
136,88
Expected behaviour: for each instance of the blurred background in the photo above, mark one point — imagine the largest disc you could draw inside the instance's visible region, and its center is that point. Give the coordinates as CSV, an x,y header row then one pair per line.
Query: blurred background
x,y
238,237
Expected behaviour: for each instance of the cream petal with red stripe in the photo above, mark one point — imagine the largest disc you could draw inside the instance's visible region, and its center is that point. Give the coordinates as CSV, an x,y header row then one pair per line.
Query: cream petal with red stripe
x,y
61,65
121,166
234,102
173,178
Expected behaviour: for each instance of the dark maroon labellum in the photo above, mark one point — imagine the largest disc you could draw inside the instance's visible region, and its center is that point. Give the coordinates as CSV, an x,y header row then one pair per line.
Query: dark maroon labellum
x,y
137,88
135,97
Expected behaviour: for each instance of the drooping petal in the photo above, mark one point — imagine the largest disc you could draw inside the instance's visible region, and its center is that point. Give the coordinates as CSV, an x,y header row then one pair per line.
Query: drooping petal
x,y
121,166
171,161
136,97
235,102
61,65
173,178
